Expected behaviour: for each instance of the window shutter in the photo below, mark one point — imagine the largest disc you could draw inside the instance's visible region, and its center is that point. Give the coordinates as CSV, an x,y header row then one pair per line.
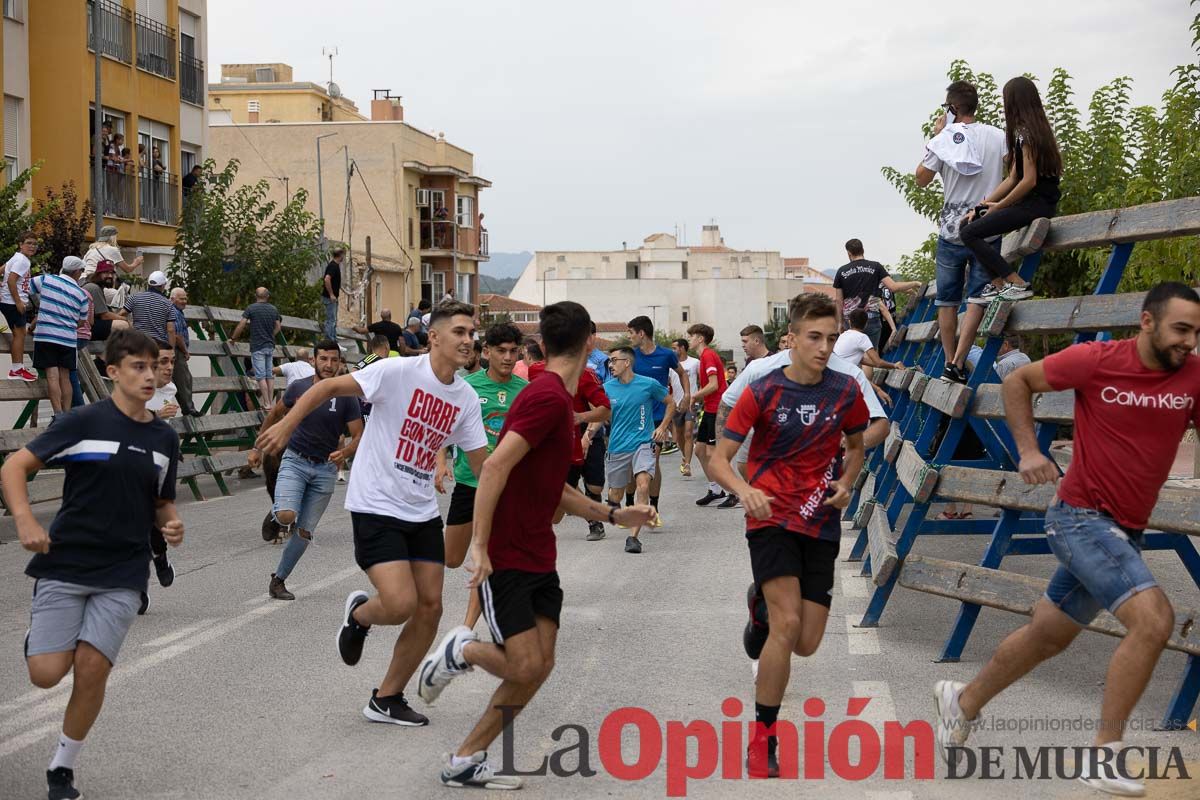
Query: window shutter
x,y
12,126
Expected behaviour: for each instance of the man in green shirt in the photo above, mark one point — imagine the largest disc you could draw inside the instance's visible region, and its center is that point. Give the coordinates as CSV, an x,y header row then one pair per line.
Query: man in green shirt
x,y
497,387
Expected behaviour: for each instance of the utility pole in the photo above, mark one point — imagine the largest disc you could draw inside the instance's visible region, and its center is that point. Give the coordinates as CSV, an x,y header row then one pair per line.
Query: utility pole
x,y
321,193
98,142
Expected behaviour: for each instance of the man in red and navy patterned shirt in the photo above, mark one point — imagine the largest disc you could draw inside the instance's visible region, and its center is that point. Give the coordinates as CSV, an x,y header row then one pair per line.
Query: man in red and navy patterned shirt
x,y
795,489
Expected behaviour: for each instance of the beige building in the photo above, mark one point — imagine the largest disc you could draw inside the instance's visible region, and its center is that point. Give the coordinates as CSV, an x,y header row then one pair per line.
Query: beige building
x,y
252,93
413,193
675,285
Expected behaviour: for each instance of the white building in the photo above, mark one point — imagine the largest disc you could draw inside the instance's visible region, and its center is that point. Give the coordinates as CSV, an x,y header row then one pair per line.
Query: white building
x,y
675,286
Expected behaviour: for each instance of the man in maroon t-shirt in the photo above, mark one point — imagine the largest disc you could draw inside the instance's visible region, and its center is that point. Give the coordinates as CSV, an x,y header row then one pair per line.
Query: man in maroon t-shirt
x,y
521,487
1133,402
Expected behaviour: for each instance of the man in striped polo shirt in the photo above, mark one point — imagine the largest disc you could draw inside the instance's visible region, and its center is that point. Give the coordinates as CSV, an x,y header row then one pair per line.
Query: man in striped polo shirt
x,y
62,304
151,312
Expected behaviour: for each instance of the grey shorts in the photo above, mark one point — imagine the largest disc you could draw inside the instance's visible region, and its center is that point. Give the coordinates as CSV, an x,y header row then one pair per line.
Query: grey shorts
x,y
64,614
620,468
743,452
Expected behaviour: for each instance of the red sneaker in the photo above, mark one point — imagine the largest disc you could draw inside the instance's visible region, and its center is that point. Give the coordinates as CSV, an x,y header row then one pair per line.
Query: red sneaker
x,y
761,761
21,374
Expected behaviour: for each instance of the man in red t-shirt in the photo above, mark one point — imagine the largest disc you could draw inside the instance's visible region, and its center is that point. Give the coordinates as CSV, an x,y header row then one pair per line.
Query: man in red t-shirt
x,y
793,495
1133,402
711,385
521,487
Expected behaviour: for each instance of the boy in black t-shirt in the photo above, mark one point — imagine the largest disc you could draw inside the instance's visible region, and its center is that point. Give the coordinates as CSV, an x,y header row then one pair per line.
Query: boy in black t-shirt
x,y
120,462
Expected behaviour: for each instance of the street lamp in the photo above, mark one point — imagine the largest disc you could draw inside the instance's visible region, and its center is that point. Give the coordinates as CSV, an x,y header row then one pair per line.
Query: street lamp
x,y
320,192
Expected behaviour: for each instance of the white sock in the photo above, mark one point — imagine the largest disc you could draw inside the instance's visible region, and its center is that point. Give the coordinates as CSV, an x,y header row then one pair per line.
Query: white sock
x,y
458,761
66,752
715,487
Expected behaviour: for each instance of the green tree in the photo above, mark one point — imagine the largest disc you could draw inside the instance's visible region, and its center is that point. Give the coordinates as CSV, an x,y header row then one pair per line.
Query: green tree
x,y
1120,156
17,215
64,225
232,239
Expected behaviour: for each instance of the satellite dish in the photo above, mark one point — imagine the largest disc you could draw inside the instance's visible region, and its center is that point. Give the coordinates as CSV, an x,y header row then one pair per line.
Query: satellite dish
x,y
334,90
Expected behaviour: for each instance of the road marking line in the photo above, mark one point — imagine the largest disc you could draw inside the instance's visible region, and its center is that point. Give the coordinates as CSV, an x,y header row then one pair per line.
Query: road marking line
x,y
12,738
179,634
853,584
881,708
861,641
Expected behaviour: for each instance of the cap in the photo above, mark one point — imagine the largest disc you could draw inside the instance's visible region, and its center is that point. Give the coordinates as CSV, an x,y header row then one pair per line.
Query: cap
x,y
104,265
157,278
72,264
108,230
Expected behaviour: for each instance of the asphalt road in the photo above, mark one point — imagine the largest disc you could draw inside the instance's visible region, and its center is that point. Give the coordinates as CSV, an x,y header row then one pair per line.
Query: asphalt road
x,y
223,693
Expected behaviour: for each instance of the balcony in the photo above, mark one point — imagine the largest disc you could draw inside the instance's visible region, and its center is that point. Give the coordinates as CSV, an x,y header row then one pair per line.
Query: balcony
x,y
155,46
159,198
191,80
118,195
483,243
446,237
113,23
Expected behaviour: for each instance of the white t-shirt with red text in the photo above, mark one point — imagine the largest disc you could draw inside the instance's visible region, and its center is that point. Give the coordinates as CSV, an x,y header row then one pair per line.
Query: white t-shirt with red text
x,y
413,415
17,265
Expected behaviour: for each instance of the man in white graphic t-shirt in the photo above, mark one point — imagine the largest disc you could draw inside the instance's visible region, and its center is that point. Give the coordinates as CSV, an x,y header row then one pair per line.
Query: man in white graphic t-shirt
x,y
685,418
418,407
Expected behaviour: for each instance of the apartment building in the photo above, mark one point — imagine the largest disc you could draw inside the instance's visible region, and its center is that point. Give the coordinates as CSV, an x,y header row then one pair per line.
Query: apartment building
x,y
675,285
413,193
251,93
152,94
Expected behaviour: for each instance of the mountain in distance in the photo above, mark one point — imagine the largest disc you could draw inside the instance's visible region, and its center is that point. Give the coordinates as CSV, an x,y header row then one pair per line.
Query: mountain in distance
x,y
490,285
505,265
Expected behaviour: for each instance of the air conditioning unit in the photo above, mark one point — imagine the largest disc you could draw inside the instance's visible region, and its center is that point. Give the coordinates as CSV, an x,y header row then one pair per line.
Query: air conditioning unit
x,y
422,197
426,272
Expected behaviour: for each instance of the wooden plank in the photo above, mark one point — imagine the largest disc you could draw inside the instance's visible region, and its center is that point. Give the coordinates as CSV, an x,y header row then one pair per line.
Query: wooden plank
x,y
916,389
1165,220
879,375
883,549
893,443
864,513
897,337
1057,407
22,390
46,487
995,318
190,467
947,397
1026,241
223,383
922,331
217,423
228,461
1098,312
351,334
915,475
1019,594
861,479
300,324
217,314
899,378
11,441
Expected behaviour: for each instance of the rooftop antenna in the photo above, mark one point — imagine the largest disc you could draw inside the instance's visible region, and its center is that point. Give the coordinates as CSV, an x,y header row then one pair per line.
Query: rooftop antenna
x,y
329,52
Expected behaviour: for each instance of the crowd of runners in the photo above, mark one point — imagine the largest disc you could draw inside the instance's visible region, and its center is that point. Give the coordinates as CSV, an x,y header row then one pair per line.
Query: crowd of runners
x,y
582,434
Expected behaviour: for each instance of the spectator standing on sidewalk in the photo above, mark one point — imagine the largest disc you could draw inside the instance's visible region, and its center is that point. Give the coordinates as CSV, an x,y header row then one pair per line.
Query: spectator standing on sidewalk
x,y
330,291
182,373
265,323
55,341
14,303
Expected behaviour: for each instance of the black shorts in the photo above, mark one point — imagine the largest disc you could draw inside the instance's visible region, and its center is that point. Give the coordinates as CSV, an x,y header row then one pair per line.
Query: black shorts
x,y
707,432
462,505
512,598
48,354
101,328
379,539
14,318
776,553
574,473
593,462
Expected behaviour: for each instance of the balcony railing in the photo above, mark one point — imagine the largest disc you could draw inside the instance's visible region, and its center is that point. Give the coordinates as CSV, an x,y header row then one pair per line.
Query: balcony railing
x,y
113,23
118,195
155,46
483,243
160,198
191,80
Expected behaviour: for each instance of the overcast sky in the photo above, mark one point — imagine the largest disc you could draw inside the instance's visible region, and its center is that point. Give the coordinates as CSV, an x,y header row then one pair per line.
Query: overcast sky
x,y
604,122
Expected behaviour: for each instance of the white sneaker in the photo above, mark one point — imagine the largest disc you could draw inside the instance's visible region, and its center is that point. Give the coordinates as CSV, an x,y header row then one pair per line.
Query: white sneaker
x,y
444,663
477,773
754,669
953,727
1109,778
1013,292
341,476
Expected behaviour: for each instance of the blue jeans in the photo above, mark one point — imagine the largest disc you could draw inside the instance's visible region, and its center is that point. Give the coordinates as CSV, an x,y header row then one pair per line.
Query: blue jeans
x,y
304,488
76,387
1100,563
873,329
331,313
956,265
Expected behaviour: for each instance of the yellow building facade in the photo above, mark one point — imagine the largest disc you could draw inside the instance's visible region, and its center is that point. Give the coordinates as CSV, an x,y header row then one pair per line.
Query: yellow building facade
x,y
250,93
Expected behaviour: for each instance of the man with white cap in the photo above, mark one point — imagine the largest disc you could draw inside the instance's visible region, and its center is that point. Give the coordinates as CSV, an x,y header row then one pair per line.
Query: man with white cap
x,y
62,303
151,312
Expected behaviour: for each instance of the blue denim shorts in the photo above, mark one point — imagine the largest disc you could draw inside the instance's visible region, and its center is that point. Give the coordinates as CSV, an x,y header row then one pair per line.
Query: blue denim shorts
x,y
955,262
262,361
1100,563
304,488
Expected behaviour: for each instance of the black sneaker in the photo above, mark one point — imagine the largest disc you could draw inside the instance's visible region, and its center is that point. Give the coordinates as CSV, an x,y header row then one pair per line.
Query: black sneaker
x,y
394,710
145,604
632,545
351,635
756,632
954,374
60,784
277,590
270,528
730,501
164,570
710,497
595,531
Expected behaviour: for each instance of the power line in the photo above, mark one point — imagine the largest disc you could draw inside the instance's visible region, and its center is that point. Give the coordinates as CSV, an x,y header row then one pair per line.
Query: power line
x,y
382,219
270,169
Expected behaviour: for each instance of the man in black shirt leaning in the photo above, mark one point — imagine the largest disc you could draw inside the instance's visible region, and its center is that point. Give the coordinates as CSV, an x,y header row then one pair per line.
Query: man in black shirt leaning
x,y
859,284
331,289
92,568
308,469
385,327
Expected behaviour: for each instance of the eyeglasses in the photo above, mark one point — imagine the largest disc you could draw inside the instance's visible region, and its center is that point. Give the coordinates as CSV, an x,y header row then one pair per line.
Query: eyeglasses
x,y
618,359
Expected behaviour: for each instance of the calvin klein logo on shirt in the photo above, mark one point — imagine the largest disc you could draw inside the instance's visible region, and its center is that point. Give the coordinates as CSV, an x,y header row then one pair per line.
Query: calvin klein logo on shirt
x,y
1162,402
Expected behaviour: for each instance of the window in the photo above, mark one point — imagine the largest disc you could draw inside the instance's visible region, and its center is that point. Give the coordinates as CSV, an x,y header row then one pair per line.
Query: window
x,y
12,135
561,259
187,159
111,23
686,313
410,231
12,9
191,69
589,272
155,39
684,275
604,259
632,271
716,272
154,9
464,287
252,106
439,286
466,211
264,75
437,198
779,313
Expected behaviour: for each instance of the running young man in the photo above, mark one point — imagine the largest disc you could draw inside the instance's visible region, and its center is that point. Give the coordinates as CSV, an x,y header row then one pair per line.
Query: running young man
x,y
308,469
711,387
630,445
685,417
1133,396
793,497
418,406
497,388
514,548
91,570
655,361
